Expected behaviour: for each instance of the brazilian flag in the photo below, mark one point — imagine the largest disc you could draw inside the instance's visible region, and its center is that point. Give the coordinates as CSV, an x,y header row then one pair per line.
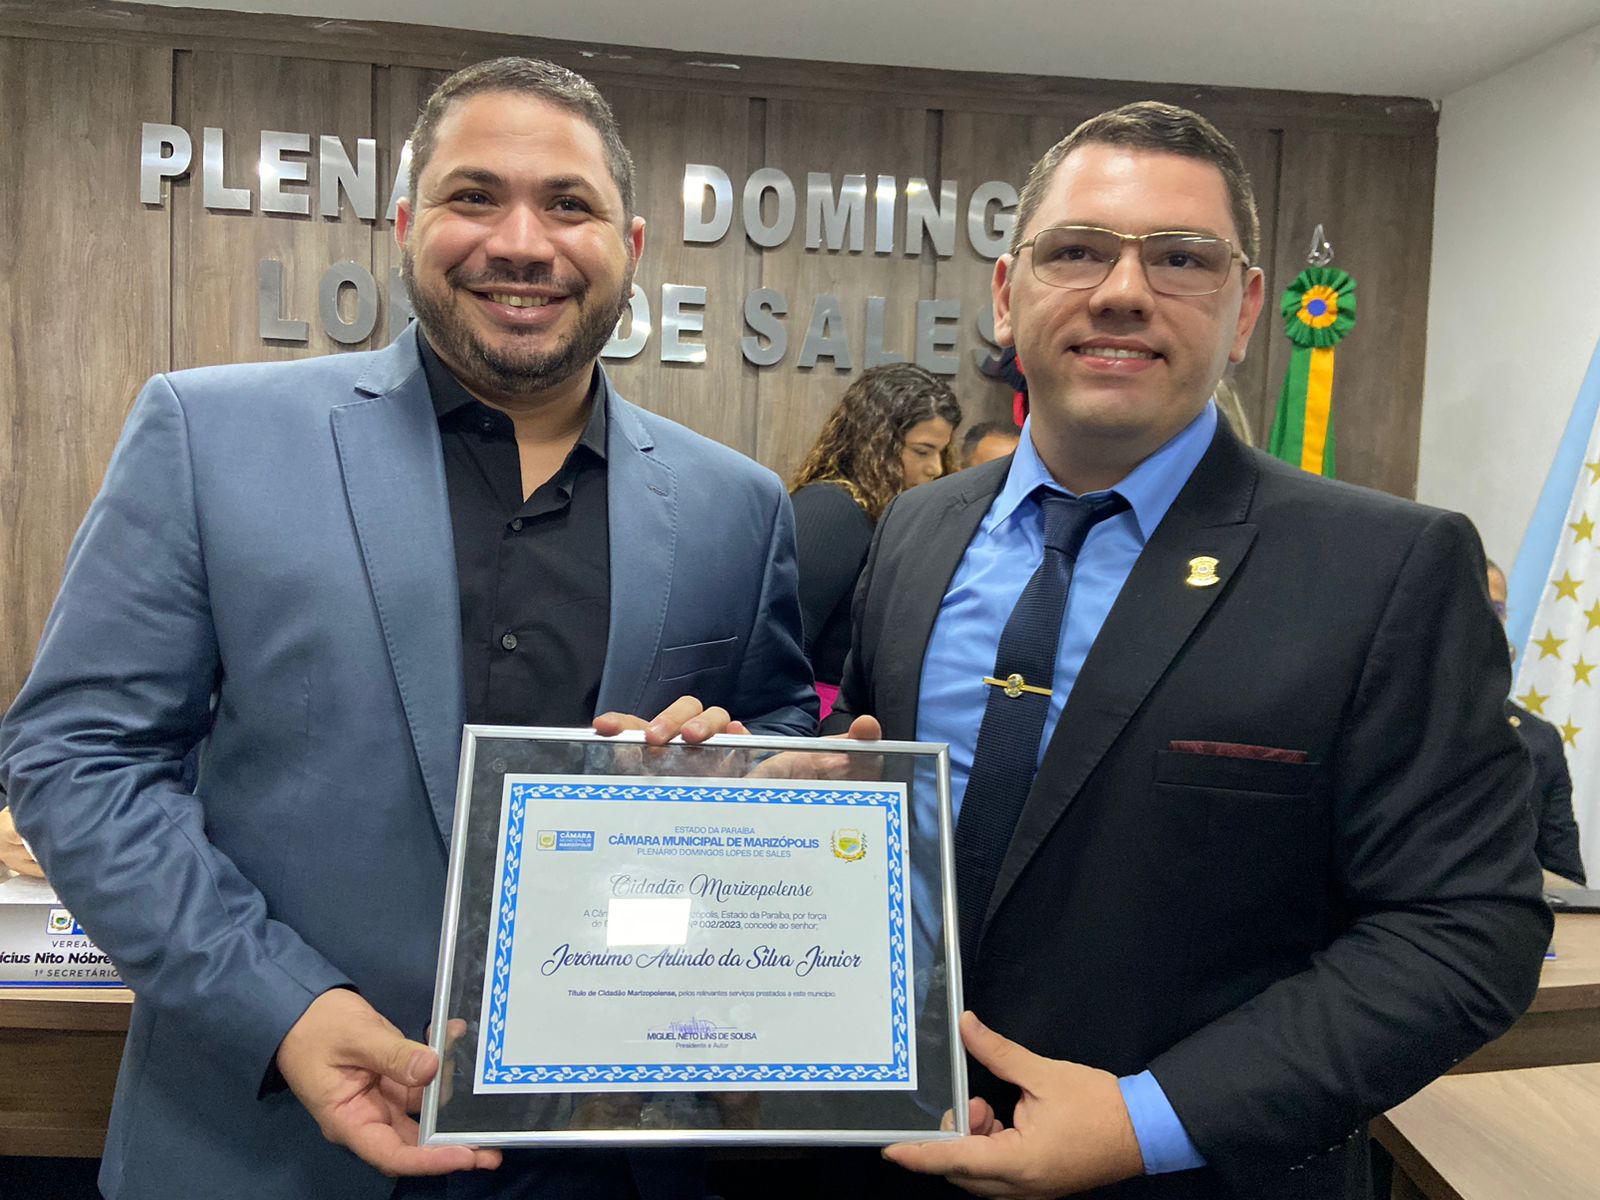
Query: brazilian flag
x,y
1318,310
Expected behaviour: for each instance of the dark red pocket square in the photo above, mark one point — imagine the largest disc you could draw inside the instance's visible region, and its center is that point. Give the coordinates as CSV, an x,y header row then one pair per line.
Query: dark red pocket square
x,y
1240,750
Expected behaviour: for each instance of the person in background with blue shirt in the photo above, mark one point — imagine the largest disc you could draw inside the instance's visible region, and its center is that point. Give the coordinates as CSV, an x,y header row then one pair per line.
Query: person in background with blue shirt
x,y
1242,858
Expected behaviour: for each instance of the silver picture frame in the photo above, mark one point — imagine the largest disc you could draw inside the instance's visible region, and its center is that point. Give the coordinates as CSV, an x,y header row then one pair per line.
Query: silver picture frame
x,y
460,1107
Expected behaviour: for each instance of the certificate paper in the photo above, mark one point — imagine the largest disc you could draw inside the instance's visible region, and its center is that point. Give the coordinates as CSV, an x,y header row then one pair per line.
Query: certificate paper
x,y
693,934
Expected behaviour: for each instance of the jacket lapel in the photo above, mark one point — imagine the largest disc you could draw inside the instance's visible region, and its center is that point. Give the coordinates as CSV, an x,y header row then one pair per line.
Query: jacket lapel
x,y
934,552
1154,616
393,468
642,496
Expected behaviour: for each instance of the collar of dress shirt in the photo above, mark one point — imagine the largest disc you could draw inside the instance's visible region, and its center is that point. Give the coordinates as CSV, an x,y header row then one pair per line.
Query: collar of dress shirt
x,y
449,394
1150,488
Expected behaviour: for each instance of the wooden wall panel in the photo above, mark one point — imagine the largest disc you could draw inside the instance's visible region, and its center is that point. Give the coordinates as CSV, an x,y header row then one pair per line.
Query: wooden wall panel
x,y
1252,379
977,147
398,96
184,280
1373,196
664,131
688,70
838,139
215,313
84,299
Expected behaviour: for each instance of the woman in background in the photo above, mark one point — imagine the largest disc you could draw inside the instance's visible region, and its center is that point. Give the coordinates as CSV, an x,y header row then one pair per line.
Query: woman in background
x,y
891,430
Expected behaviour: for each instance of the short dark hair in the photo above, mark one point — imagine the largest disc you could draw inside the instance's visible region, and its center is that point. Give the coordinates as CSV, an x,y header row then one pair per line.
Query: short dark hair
x,y
861,441
1152,125
976,433
527,77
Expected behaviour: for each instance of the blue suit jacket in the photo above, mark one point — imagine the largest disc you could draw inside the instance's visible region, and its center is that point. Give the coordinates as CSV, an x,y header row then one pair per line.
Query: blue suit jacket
x,y
268,573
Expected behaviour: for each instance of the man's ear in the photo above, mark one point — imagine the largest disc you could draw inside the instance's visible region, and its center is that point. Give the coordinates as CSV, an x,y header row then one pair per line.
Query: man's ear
x,y
634,239
1000,291
1255,294
402,221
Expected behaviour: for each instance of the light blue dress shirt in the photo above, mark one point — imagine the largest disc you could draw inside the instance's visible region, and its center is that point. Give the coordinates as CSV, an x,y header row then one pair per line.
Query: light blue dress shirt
x,y
1002,556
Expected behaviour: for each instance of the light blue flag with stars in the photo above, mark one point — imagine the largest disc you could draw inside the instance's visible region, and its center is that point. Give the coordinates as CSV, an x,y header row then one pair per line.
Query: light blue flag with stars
x,y
1554,608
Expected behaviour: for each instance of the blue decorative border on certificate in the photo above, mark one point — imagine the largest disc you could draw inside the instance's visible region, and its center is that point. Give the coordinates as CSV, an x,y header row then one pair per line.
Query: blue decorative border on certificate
x,y
497,1071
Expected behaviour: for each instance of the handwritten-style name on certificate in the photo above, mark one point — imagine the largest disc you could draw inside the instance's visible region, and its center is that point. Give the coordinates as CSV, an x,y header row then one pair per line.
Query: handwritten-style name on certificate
x,y
760,958
710,886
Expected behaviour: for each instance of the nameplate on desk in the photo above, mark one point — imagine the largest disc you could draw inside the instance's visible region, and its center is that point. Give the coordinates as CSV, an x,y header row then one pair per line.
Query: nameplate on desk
x,y
41,943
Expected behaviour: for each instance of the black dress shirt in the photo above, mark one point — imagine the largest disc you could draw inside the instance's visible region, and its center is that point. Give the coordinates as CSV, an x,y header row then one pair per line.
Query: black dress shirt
x,y
535,574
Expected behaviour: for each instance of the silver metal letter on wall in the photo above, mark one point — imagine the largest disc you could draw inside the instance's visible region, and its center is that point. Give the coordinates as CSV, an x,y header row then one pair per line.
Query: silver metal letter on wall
x,y
939,222
637,318
935,334
829,219
876,355
762,308
675,322
990,239
698,179
883,198
334,280
768,179
359,181
269,289
825,337
214,193
990,348
400,313
402,182
275,171
155,164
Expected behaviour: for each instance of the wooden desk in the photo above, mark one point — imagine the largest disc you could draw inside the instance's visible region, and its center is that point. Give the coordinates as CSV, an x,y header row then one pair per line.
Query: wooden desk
x,y
59,1052
60,1047
1510,1135
1562,1025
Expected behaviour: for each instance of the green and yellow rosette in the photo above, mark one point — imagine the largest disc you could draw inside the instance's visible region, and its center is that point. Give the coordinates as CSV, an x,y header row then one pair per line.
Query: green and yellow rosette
x,y
1318,310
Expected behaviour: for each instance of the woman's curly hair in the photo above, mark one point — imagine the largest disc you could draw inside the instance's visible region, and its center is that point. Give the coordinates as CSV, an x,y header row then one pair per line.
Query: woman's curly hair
x,y
860,444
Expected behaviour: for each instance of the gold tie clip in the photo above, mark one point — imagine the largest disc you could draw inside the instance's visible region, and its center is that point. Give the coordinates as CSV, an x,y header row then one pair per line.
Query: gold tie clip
x,y
1014,686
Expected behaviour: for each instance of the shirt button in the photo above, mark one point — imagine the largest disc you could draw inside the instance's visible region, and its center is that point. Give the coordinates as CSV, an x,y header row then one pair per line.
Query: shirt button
x,y
509,641
516,525
485,424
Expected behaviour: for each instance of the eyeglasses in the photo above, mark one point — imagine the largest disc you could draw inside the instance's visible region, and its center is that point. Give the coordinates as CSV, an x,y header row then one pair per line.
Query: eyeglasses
x,y
1177,263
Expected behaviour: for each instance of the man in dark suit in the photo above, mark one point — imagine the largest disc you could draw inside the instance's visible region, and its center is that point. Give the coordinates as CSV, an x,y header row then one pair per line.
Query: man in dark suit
x,y
1557,847
1550,794
1243,861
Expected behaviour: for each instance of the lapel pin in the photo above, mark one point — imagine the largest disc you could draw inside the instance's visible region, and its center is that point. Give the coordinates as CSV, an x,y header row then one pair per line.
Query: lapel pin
x,y
1202,571
1516,721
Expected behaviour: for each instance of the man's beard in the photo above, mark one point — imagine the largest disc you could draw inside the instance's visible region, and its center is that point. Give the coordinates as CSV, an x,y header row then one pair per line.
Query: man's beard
x,y
506,371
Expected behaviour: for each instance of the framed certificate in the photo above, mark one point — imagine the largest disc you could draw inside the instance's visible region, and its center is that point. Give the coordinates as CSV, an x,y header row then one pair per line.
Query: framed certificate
x,y
747,941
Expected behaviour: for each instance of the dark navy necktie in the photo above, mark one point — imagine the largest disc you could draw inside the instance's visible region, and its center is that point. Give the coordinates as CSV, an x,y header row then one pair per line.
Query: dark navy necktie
x,y
1019,700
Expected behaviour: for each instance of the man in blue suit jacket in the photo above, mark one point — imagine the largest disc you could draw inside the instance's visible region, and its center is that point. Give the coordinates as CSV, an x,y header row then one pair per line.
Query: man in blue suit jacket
x,y
274,584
